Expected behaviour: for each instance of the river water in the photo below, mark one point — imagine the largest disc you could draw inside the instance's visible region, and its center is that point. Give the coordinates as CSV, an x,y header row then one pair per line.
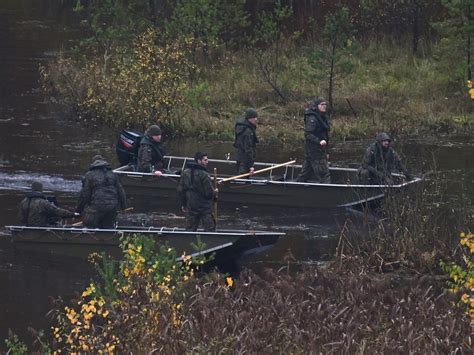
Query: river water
x,y
37,142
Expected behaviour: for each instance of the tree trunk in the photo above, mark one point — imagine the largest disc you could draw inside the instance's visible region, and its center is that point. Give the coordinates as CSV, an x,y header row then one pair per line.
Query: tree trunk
x,y
331,73
152,8
469,73
417,13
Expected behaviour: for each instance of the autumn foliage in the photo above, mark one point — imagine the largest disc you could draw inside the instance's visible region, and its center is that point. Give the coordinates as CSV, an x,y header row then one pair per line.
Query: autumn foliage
x,y
128,87
159,304
130,305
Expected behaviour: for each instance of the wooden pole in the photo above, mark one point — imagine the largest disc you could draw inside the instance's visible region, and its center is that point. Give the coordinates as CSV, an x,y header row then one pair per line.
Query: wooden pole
x,y
215,201
257,171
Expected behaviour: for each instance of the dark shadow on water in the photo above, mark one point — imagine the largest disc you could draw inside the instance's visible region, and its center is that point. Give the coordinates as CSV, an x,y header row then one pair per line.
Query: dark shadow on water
x,y
29,286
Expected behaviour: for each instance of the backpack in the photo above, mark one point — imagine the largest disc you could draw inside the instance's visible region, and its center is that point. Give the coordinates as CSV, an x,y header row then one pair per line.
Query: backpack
x,y
127,146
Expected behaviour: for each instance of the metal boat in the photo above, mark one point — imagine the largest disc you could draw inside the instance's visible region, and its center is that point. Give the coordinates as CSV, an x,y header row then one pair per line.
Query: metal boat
x,y
78,242
278,187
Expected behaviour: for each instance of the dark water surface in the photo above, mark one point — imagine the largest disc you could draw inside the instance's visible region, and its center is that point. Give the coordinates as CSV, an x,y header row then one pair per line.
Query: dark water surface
x,y
38,143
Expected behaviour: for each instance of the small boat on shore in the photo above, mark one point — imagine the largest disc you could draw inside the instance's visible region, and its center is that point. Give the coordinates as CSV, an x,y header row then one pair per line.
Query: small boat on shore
x,y
277,187
78,242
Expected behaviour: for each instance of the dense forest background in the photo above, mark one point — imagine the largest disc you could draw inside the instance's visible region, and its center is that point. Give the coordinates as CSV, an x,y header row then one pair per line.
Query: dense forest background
x,y
402,66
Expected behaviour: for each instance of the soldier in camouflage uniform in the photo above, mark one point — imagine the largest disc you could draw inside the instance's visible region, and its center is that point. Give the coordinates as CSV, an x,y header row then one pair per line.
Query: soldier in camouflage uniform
x,y
196,194
246,141
316,133
379,161
151,152
101,195
36,210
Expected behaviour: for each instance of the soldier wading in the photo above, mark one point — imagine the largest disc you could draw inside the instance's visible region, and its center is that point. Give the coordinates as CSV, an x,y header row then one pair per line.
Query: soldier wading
x,y
101,195
379,161
36,210
196,194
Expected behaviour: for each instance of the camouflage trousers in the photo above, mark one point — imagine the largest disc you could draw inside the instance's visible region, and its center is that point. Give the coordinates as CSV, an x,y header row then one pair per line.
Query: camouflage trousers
x,y
316,170
95,218
206,219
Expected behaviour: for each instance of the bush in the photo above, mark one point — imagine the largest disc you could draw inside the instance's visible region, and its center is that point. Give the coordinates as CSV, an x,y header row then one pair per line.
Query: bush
x,y
127,87
462,276
141,297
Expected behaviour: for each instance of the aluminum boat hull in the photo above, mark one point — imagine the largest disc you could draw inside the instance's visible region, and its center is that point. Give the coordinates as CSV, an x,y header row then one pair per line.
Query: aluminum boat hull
x,y
276,188
79,242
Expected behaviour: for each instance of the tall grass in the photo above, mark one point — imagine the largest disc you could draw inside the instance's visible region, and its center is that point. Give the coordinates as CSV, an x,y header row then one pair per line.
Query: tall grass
x,y
411,233
381,87
388,88
321,311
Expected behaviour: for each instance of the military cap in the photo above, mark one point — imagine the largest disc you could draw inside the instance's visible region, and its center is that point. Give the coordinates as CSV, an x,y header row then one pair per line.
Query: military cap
x,y
250,113
153,130
315,102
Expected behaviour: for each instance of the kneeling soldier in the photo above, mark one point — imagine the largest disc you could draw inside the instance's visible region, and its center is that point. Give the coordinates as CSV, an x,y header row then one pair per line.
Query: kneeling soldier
x,y
380,161
36,210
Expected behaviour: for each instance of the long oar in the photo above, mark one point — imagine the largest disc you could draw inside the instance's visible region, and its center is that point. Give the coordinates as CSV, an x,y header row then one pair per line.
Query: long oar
x,y
215,201
257,171
129,209
163,175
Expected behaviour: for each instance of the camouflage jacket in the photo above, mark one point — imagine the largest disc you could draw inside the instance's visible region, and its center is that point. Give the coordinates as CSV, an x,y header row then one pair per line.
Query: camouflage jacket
x,y
195,190
36,210
150,155
101,189
245,142
382,162
316,129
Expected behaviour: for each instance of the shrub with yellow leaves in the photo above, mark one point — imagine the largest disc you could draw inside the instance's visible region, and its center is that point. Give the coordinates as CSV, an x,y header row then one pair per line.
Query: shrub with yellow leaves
x,y
144,300
134,84
462,277
470,87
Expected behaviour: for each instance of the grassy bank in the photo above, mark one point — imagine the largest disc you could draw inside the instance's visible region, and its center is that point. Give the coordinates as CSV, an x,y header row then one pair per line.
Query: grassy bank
x,y
382,87
387,89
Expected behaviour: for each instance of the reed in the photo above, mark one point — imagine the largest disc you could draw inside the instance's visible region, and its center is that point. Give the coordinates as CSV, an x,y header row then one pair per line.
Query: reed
x,y
411,232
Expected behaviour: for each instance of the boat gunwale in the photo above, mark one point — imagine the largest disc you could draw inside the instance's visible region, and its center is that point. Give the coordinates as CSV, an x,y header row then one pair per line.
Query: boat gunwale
x,y
120,171
150,230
